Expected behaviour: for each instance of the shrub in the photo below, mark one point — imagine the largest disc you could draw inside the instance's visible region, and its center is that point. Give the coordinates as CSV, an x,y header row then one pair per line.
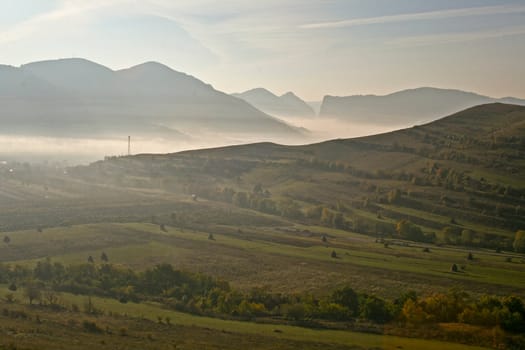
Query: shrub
x,y
519,242
90,326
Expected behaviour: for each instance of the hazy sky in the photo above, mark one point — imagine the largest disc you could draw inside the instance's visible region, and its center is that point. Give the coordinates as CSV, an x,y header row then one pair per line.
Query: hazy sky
x,y
337,47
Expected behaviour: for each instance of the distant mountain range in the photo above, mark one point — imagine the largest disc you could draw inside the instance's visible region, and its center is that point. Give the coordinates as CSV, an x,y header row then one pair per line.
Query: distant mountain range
x,y
79,98
287,105
407,107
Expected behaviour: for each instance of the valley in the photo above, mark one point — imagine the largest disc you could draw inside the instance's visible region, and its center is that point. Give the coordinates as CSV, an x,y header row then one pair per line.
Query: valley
x,y
413,211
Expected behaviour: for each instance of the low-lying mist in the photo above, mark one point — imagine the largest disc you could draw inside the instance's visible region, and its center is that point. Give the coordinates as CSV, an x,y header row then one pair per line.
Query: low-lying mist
x,y
325,128
85,150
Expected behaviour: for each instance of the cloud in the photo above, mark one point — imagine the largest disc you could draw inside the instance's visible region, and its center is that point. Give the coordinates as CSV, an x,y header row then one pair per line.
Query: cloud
x,y
431,15
69,8
425,40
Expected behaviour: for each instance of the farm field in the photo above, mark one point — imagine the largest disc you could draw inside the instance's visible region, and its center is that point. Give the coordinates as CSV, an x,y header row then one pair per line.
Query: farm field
x,y
267,257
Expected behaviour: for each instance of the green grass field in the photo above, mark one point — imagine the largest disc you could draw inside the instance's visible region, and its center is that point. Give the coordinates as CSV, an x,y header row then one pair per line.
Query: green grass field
x,y
268,256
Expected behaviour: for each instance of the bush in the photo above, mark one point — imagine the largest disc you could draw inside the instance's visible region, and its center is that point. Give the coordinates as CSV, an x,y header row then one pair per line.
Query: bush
x,y
376,310
9,298
294,312
90,326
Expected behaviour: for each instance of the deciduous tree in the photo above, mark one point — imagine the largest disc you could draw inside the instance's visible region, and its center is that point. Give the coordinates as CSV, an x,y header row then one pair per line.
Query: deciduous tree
x,y
519,242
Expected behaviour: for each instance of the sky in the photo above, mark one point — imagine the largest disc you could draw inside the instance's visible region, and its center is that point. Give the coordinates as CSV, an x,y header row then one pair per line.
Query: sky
x,y
313,48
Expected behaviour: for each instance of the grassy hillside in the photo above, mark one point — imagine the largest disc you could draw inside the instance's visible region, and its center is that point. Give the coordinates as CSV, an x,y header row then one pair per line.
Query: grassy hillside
x,y
463,172
385,215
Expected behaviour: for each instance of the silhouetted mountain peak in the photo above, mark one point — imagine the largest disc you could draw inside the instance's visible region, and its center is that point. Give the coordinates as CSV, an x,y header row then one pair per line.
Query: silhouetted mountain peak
x,y
262,92
152,67
291,97
157,75
290,94
73,74
287,104
66,64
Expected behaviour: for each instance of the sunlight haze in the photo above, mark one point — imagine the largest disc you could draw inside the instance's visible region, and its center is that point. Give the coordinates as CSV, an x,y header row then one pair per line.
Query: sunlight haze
x,y
313,48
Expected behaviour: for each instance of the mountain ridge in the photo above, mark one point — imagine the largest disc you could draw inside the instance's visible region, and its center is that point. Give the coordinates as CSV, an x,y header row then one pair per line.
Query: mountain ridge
x,y
150,95
286,105
405,107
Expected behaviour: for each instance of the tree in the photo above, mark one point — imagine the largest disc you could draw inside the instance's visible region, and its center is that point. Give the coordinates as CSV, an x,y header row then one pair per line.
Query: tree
x,y
32,292
470,256
513,319
413,313
104,257
7,239
295,312
519,242
406,229
324,239
257,189
454,268
210,237
346,297
467,236
394,196
240,199
290,209
314,212
332,311
90,259
376,310
450,235
359,225
327,216
333,254
338,221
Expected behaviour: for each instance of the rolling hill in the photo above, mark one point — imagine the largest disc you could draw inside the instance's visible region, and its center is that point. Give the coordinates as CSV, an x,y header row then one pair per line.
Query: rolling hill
x,y
286,105
407,107
464,171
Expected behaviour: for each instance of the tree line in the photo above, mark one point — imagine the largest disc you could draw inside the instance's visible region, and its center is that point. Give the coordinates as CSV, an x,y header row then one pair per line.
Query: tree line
x,y
201,294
